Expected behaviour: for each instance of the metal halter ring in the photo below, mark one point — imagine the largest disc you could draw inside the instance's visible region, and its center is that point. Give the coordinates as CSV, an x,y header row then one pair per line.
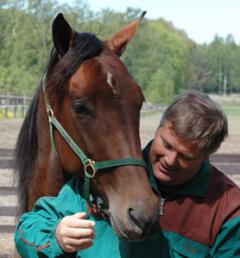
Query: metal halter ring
x,y
50,112
89,169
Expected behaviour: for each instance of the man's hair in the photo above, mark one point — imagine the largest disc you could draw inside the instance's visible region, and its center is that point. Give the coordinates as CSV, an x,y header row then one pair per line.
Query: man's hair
x,y
198,119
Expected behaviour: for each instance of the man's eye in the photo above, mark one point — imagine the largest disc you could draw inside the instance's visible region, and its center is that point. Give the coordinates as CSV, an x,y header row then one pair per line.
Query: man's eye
x,y
166,145
184,157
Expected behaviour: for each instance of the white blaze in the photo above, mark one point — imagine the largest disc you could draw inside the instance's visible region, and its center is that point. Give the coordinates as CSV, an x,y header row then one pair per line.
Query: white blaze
x,y
110,82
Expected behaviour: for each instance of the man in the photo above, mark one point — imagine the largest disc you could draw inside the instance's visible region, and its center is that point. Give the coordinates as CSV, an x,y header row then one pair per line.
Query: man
x,y
199,206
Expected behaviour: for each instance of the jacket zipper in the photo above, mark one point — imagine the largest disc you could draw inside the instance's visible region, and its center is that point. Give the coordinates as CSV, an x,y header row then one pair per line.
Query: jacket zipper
x,y
162,202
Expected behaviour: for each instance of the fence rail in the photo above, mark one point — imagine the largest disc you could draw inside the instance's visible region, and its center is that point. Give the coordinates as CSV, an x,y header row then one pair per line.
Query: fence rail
x,y
12,106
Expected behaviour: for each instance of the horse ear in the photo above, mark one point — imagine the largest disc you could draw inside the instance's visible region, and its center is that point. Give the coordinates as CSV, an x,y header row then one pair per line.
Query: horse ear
x,y
119,41
62,34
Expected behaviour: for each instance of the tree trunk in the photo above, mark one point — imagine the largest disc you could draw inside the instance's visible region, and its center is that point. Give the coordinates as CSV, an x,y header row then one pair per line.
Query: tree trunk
x,y
220,80
225,81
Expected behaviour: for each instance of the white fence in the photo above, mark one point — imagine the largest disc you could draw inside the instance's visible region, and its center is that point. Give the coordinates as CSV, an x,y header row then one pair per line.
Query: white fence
x,y
12,106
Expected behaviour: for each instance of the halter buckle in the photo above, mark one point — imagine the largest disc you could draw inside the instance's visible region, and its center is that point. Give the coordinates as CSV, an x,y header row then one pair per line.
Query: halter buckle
x,y
89,169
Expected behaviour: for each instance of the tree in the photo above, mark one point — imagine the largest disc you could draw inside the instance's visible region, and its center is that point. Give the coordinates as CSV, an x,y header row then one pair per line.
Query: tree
x,y
200,75
158,52
161,87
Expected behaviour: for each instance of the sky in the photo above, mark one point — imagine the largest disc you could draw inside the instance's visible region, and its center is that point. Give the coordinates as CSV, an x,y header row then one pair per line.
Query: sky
x,y
200,19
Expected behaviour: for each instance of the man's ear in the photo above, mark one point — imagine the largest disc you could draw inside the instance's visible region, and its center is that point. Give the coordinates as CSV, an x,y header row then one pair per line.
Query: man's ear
x,y
62,34
119,41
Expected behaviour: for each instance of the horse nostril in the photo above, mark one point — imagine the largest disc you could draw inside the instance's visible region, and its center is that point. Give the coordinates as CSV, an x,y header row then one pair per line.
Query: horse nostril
x,y
134,216
144,223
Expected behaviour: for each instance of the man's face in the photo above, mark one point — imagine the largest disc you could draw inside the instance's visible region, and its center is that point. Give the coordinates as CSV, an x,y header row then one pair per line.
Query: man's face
x,y
174,160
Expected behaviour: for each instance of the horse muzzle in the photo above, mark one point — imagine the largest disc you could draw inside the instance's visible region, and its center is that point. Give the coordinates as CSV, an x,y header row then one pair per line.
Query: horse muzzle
x,y
136,222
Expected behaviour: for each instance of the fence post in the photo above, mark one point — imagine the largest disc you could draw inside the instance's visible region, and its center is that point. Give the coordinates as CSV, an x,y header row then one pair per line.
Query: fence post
x,y
6,109
24,105
13,106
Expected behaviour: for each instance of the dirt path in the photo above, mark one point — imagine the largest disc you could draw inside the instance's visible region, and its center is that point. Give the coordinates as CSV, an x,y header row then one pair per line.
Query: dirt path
x,y
9,130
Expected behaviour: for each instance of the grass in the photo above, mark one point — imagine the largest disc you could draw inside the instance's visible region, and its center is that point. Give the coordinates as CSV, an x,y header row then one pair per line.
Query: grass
x,y
231,109
11,114
151,119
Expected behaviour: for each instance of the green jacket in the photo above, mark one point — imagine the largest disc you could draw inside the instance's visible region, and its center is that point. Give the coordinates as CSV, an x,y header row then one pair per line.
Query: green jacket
x,y
201,220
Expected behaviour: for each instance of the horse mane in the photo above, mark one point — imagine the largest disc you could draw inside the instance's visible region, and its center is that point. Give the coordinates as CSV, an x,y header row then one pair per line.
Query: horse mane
x,y
58,72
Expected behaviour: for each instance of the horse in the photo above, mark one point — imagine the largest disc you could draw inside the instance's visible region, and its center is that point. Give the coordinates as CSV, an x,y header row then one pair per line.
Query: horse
x,y
84,120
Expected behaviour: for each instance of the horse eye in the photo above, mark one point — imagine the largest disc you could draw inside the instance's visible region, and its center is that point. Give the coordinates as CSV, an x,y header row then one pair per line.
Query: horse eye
x,y
80,108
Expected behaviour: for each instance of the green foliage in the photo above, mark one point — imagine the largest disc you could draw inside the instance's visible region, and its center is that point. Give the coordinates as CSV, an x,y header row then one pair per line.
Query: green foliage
x,y
222,63
23,52
200,76
159,51
161,58
161,87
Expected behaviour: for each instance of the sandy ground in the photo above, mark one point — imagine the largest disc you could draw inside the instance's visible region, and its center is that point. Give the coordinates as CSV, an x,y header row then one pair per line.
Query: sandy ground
x,y
9,130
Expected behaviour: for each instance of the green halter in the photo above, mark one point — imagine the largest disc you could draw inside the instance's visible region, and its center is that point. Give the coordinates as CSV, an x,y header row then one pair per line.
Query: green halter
x,y
90,166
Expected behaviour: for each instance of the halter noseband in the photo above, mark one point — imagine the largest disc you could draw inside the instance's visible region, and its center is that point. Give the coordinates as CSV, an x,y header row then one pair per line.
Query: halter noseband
x,y
90,166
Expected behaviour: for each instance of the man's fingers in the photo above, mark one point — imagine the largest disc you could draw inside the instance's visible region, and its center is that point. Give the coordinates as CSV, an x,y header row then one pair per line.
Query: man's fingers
x,y
78,221
78,242
80,215
73,245
80,233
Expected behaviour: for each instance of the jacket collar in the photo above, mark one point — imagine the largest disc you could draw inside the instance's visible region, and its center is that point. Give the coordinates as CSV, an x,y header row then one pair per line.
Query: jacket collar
x,y
197,186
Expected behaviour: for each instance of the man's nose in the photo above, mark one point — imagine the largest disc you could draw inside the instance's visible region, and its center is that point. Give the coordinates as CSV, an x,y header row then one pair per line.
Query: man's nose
x,y
171,158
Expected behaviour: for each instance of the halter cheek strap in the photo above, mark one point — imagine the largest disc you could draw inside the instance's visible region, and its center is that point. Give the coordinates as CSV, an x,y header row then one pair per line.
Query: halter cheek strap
x,y
90,166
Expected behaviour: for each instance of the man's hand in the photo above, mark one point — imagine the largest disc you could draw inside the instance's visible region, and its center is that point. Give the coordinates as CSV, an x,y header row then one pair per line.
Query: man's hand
x,y
75,233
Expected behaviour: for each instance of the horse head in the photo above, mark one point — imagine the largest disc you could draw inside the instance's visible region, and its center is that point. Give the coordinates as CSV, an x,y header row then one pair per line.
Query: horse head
x,y
98,103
